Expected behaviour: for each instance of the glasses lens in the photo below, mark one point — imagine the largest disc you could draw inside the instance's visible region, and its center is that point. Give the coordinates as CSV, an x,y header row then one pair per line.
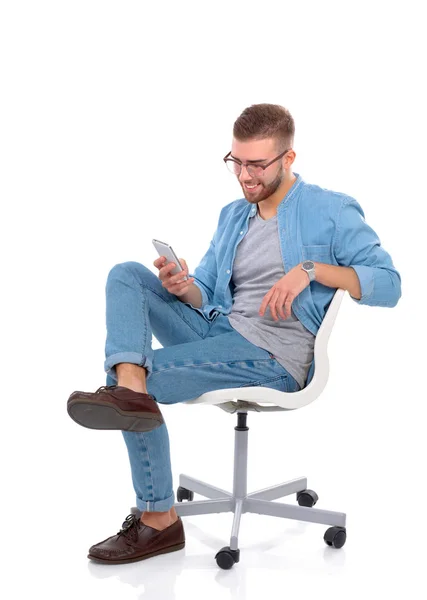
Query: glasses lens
x,y
254,171
233,166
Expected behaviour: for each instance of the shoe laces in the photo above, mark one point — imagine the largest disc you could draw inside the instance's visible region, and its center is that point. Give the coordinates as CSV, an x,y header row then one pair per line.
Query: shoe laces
x,y
130,528
104,387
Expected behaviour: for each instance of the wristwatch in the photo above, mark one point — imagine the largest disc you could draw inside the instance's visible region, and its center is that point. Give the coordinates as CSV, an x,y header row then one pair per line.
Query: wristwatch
x,y
308,267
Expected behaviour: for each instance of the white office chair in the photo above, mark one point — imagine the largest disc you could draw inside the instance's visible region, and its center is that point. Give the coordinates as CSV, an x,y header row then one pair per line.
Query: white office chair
x,y
241,400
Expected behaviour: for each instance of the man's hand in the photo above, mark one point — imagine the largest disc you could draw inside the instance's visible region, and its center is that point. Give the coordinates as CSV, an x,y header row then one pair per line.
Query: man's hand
x,y
175,284
283,292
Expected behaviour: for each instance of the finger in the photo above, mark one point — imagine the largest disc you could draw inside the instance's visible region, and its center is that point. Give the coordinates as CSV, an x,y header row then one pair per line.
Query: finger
x,y
164,271
264,303
159,261
273,303
274,312
178,276
185,283
288,307
282,303
177,287
185,266
270,306
185,270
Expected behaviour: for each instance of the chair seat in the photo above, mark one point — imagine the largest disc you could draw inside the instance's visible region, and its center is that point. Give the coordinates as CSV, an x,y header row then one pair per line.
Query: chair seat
x,y
247,398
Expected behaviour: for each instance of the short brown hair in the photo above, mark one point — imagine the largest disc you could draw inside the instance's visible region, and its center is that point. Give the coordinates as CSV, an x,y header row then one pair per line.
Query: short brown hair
x,y
261,121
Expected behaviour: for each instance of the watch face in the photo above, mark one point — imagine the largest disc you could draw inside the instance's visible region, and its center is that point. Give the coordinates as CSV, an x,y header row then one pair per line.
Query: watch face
x,y
308,264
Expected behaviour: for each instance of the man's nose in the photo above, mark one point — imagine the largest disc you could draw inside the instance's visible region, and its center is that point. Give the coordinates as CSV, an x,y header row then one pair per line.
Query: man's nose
x,y
241,175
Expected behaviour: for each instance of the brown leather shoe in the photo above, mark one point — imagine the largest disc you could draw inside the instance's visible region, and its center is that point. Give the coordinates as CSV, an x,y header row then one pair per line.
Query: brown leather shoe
x,y
115,407
136,541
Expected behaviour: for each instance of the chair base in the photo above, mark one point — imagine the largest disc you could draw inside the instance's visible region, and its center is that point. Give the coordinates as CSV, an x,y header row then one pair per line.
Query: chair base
x,y
260,502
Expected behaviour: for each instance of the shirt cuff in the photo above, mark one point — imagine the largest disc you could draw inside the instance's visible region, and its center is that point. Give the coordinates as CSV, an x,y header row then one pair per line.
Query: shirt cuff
x,y
366,280
205,298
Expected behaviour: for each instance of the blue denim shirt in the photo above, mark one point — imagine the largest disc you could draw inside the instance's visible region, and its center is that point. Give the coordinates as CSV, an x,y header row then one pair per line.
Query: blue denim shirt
x,y
316,224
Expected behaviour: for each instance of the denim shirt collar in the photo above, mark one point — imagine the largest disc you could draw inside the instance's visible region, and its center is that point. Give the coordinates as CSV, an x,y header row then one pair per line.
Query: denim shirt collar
x,y
287,199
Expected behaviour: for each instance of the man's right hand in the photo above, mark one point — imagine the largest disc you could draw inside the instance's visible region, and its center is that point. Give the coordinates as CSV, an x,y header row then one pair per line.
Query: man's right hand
x,y
173,283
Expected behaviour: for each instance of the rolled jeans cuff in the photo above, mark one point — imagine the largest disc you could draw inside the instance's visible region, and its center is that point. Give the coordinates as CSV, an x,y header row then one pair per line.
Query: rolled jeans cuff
x,y
126,357
155,505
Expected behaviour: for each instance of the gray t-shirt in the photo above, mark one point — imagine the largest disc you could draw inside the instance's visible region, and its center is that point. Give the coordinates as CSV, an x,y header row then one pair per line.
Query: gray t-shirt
x,y
257,266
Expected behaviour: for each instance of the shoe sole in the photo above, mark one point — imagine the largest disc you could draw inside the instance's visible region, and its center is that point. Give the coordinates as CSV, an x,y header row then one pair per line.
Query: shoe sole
x,y
136,558
100,415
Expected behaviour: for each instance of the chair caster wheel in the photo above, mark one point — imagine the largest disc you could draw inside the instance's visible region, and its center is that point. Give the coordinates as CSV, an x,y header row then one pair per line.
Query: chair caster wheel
x,y
335,536
307,498
226,557
184,494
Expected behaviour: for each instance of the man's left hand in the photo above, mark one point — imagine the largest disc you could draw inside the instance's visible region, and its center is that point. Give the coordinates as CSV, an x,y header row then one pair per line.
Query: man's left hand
x,y
283,292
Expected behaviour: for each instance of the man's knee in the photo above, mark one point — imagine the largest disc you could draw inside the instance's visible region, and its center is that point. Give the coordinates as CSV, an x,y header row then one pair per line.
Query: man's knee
x,y
128,269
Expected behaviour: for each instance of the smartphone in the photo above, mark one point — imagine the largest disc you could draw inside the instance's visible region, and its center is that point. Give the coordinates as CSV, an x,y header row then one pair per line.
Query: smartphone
x,y
166,250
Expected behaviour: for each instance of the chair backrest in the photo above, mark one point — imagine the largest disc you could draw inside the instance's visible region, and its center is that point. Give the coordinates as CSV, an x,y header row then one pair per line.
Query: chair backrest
x,y
319,370
318,373
322,337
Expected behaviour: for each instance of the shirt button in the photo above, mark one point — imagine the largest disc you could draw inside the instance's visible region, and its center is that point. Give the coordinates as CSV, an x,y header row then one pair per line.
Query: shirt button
x,y
220,306
241,233
228,270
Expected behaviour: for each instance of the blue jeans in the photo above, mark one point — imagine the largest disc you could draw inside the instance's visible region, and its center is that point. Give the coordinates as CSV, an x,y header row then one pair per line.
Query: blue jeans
x,y
197,356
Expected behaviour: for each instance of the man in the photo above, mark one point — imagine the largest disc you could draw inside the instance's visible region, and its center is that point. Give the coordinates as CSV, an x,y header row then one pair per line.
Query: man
x,y
248,315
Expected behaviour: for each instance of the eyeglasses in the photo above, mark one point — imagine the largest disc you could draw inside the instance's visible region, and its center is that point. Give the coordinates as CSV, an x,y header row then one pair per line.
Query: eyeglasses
x,y
235,166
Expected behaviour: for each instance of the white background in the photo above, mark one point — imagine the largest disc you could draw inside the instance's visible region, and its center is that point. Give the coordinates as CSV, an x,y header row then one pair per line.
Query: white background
x,y
115,117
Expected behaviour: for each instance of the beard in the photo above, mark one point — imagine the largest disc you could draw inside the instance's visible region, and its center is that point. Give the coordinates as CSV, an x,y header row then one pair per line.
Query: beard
x,y
265,190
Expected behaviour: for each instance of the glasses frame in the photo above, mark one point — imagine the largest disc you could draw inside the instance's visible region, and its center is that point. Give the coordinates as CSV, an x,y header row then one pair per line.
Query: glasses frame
x,y
245,164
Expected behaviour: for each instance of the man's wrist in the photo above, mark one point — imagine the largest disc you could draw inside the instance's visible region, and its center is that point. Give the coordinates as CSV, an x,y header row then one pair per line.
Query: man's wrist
x,y
309,267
